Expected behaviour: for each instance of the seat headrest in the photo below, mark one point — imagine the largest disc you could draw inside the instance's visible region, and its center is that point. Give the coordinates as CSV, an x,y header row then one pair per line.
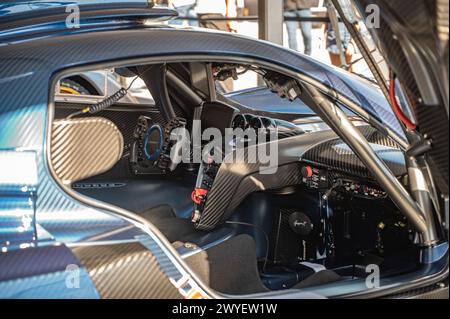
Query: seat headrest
x,y
84,147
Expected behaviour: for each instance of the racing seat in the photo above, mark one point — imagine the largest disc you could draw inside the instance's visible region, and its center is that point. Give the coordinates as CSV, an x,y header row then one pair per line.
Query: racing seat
x,y
173,227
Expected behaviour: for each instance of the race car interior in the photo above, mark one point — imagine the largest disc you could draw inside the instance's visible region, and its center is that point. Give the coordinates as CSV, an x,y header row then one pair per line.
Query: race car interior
x,y
319,219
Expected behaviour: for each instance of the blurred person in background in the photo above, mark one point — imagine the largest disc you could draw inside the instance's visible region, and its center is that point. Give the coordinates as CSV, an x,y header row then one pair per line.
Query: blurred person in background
x,y
299,9
185,8
210,9
348,49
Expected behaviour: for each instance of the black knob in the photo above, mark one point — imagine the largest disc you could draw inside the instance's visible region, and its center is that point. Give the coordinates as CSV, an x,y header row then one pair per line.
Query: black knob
x,y
300,223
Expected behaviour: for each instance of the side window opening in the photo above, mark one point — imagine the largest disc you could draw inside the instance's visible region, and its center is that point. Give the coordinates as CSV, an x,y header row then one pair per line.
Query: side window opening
x,y
99,84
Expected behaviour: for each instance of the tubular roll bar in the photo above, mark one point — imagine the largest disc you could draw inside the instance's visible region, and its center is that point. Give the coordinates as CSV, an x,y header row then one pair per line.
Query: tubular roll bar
x,y
339,122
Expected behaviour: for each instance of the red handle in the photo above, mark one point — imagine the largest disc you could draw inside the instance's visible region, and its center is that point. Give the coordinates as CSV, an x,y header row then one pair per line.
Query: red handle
x,y
198,195
397,109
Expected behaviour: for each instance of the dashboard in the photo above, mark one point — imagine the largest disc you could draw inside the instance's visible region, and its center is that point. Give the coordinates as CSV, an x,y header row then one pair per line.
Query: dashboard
x,y
245,121
280,127
319,160
333,165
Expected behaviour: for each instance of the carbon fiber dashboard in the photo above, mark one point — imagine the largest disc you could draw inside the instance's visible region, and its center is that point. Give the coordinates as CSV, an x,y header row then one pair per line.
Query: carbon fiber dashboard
x,y
337,156
325,149
236,180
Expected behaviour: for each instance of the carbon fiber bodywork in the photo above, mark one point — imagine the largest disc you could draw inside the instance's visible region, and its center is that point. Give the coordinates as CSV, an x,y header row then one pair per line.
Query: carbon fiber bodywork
x,y
42,272
23,124
125,271
16,14
30,64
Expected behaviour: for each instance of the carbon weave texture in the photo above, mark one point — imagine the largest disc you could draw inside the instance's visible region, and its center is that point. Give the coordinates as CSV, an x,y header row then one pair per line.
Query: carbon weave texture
x,y
375,137
219,197
124,119
221,204
345,160
31,64
335,155
126,271
416,22
84,147
230,188
430,292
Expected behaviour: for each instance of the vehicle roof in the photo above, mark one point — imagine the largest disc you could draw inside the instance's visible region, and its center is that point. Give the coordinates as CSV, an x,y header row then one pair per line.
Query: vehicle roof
x,y
45,55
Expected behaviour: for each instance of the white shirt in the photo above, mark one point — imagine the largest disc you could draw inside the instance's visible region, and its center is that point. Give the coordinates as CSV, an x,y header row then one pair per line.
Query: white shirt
x,y
182,3
211,6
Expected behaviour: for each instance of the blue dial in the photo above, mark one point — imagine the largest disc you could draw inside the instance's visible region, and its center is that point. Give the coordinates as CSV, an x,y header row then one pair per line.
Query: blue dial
x,y
153,143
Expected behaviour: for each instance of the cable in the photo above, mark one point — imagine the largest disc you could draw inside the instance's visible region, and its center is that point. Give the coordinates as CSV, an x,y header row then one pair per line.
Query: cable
x,y
247,68
107,102
396,107
134,80
265,235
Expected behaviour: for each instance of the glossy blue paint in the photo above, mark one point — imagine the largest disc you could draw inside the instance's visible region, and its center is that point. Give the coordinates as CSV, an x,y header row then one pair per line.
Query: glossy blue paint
x,y
49,286
44,272
17,222
18,186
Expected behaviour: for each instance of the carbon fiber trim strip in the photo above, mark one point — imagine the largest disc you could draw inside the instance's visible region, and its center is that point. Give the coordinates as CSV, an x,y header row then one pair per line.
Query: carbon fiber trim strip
x,y
126,271
336,155
430,292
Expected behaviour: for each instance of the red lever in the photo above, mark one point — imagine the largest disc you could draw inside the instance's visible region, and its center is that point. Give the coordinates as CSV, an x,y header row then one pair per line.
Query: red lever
x,y
199,195
396,107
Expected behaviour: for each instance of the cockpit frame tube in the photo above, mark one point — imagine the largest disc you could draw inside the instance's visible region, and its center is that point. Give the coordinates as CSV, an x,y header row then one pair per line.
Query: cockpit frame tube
x,y
340,123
